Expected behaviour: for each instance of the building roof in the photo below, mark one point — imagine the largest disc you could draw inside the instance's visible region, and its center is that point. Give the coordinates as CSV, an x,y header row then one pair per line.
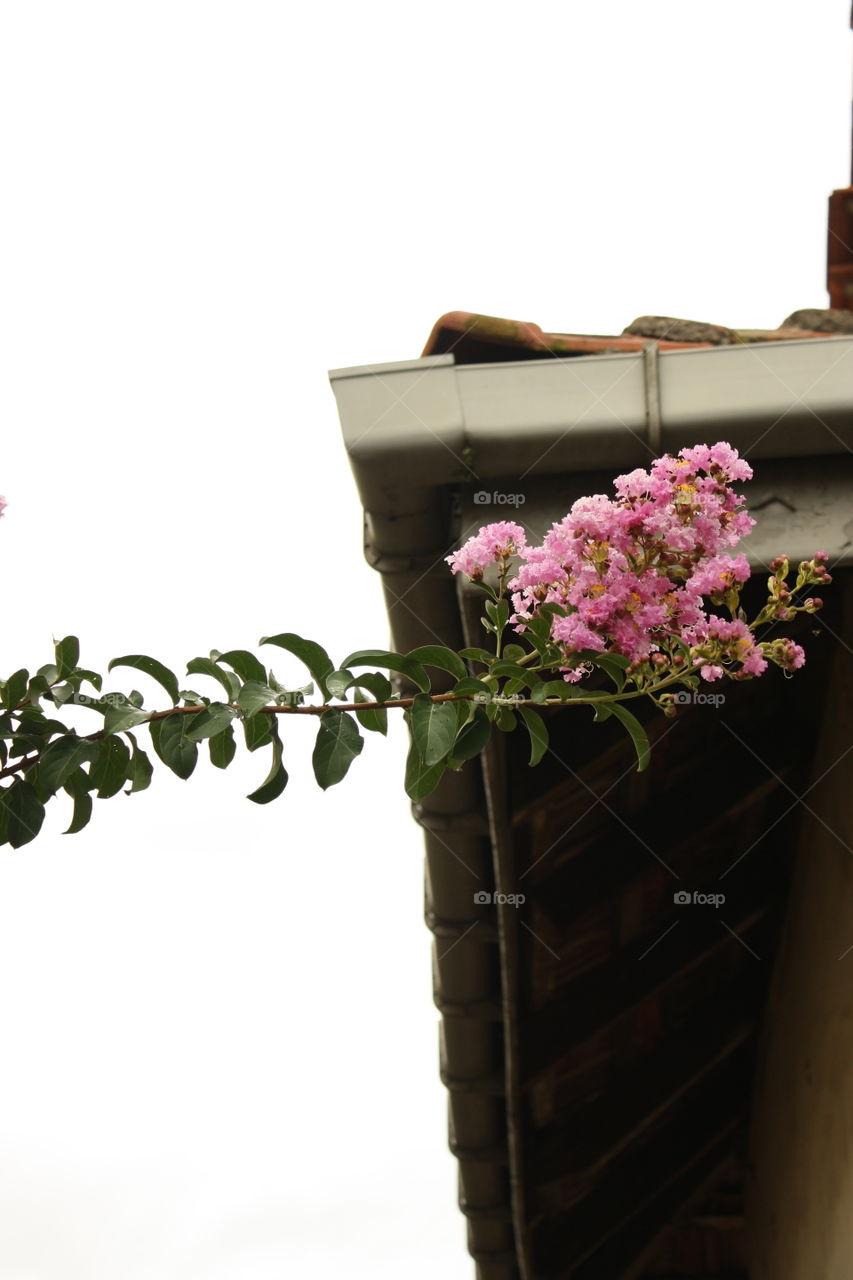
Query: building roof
x,y
598,1057
475,338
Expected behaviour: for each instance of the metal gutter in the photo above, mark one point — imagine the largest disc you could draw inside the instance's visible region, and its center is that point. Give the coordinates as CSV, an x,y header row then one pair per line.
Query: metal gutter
x,y
429,421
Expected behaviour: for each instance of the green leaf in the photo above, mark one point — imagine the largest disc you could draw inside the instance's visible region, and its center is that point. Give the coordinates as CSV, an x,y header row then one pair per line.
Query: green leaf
x,y
538,733
36,689
337,683
393,661
59,760
421,778
23,813
566,692
477,655
206,667
80,676
223,747
473,737
338,743
433,727
312,654
172,746
254,695
140,662
505,719
247,666
77,786
472,685
33,731
15,689
373,718
615,665
210,722
465,712
67,655
119,717
433,655
109,769
190,698
258,731
498,613
275,781
637,732
512,671
376,684
141,770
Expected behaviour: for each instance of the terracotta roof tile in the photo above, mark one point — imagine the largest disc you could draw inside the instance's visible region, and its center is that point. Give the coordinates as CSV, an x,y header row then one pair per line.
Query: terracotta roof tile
x,y
480,339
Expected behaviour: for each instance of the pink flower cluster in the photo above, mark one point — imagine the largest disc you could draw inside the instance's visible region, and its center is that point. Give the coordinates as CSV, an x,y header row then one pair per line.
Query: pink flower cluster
x,y
632,572
493,544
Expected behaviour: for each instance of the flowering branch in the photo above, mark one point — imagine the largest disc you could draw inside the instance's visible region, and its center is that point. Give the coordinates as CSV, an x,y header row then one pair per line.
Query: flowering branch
x,y
623,589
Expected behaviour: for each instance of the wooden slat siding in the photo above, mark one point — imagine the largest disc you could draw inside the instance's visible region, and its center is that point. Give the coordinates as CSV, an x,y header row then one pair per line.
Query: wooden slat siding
x,y
626,1254
637,1094
571,818
611,1063
597,1210
645,889
579,876
603,995
709,1239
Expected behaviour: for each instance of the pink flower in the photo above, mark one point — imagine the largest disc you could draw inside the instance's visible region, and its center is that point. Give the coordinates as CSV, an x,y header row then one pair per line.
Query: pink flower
x,y
719,574
494,542
786,654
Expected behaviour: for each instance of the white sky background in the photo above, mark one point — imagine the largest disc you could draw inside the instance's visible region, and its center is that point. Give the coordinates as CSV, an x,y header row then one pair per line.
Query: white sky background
x,y
218,1049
